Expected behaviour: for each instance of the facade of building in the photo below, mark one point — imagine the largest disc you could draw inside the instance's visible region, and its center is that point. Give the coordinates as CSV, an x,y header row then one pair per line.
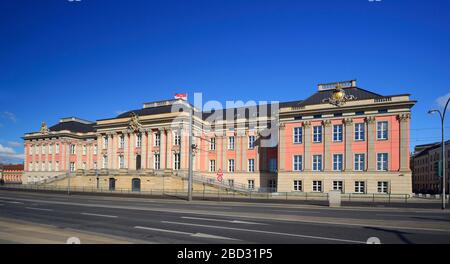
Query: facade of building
x,y
11,173
425,166
342,137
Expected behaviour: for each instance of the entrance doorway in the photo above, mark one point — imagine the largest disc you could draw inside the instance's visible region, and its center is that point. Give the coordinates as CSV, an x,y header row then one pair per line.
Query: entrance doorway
x,y
136,185
112,184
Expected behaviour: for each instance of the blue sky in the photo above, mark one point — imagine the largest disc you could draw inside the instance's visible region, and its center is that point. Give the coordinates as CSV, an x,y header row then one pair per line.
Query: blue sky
x,y
96,58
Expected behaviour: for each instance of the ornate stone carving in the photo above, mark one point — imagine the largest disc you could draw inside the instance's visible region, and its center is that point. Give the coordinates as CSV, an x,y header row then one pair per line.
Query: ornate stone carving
x,y
134,124
404,117
44,129
348,121
339,97
326,123
370,119
307,124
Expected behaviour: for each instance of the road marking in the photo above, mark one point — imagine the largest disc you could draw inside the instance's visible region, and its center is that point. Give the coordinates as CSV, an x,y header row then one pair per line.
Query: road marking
x,y
100,215
292,211
202,235
39,209
421,216
267,232
222,220
12,202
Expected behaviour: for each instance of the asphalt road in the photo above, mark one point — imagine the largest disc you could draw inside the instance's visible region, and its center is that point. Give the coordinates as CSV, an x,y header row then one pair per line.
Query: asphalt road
x,y
175,221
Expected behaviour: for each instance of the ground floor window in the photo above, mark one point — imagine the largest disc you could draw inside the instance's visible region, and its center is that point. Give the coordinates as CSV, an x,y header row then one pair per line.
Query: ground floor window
x,y
317,186
156,162
231,182
338,186
298,186
272,185
251,184
72,166
176,161
360,187
383,187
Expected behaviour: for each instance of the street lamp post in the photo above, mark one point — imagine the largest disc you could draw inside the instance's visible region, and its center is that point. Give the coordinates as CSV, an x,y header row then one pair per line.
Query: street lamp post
x,y
190,171
442,116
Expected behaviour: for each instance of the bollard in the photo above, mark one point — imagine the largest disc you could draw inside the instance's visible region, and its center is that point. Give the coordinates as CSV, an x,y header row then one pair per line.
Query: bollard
x,y
334,198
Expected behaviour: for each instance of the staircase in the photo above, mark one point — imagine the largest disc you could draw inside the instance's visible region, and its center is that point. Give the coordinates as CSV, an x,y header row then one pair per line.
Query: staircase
x,y
197,178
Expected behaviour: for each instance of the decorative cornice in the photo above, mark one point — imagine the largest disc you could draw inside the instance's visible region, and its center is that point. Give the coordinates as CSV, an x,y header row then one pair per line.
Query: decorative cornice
x,y
404,117
370,119
348,121
326,123
307,124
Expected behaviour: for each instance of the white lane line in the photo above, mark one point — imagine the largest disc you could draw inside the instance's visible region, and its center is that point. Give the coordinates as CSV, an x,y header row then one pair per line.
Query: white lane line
x,y
202,235
222,220
267,232
38,209
422,216
292,211
100,215
12,202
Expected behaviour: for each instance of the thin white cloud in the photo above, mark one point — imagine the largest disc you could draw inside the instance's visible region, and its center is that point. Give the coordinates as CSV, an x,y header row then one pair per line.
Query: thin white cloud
x,y
14,144
441,101
9,154
10,116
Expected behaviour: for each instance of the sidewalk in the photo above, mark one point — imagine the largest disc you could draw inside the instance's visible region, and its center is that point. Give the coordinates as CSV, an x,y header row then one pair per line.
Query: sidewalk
x,y
19,232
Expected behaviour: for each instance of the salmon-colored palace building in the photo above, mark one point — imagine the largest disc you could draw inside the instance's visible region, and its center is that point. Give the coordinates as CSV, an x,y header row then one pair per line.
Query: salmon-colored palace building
x,y
340,138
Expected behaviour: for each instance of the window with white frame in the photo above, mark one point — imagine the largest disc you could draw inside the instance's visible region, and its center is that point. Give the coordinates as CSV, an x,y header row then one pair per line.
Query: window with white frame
x,y
43,147
212,165
317,162
36,149
317,134
382,130
273,165
139,140
36,166
360,162
212,144
251,165
298,135
360,187
72,149
338,186
317,186
83,165
231,165
383,187
31,150
382,162
251,184
72,166
230,182
251,142
231,143
338,162
176,139
297,163
105,162
84,150
338,133
156,161
50,149
359,131
122,141
95,149
105,142
50,166
43,168
272,184
57,149
30,166
57,166
157,141
176,161
298,187
121,162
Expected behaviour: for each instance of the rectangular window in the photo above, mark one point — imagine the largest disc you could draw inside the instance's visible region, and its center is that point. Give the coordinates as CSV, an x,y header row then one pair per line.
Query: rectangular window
x,y
212,165
57,166
317,186
31,150
83,165
177,139
157,141
359,131
317,134
84,150
30,166
298,135
251,184
105,142
212,144
382,161
297,163
43,149
36,149
360,162
176,161
231,165
251,165
156,162
338,186
360,187
72,166
383,187
231,182
105,162
121,162
298,186
122,141
338,162
273,165
272,185
57,149
50,149
317,162
139,140
95,149
231,143
72,149
337,133
251,142
50,168
382,130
